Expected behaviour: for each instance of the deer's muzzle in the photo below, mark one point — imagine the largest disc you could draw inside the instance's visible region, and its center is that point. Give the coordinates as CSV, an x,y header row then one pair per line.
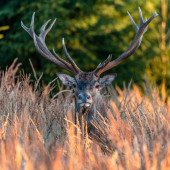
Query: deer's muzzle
x,y
84,100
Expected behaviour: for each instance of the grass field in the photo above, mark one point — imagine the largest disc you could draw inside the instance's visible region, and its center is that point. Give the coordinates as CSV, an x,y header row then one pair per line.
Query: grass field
x,y
37,129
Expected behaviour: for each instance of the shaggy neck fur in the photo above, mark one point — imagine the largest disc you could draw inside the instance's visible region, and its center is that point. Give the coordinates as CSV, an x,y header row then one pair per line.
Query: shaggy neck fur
x,y
90,112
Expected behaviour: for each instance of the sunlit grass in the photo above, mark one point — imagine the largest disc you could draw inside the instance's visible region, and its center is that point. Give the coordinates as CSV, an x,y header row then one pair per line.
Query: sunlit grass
x,y
38,132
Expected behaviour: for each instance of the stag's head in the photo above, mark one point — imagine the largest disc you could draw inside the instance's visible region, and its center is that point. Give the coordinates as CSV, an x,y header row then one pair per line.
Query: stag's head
x,y
86,85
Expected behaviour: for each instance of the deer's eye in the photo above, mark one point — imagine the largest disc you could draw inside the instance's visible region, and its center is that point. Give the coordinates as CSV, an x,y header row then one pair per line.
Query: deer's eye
x,y
97,86
74,85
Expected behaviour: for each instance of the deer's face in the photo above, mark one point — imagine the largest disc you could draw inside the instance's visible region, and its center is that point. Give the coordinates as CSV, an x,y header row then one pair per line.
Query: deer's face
x,y
86,86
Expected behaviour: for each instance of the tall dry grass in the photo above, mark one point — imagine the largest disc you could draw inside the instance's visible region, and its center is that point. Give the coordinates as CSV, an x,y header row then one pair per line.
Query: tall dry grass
x,y
38,131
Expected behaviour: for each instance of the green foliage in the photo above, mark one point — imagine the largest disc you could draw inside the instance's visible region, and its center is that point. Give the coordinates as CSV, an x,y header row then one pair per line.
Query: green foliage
x,y
158,67
92,30
3,28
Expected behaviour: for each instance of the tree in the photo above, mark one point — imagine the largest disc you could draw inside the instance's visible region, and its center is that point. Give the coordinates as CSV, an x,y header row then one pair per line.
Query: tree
x,y
3,28
92,30
158,68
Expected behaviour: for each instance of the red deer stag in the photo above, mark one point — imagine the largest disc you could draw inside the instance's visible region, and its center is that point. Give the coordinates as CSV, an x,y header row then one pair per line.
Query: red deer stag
x,y
87,86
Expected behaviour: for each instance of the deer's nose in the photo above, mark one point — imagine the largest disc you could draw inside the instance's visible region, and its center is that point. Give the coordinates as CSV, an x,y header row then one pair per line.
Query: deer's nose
x,y
84,97
88,97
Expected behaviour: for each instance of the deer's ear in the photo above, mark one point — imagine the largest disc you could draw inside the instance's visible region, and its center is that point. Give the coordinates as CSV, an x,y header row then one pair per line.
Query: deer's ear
x,y
107,80
66,79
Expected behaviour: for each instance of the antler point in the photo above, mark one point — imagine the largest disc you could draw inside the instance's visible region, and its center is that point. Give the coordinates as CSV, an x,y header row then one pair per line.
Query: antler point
x,y
156,13
34,36
63,41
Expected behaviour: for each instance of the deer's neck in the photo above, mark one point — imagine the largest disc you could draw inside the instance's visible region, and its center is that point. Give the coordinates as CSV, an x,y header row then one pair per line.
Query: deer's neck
x,y
90,112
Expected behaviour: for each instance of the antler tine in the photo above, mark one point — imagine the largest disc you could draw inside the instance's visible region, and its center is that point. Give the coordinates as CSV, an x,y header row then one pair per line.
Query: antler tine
x,y
44,32
41,47
69,58
42,35
133,22
41,38
134,44
60,59
104,64
29,30
47,56
141,16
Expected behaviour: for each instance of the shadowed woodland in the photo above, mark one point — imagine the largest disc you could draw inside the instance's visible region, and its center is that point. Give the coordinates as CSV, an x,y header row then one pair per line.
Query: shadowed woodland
x,y
92,30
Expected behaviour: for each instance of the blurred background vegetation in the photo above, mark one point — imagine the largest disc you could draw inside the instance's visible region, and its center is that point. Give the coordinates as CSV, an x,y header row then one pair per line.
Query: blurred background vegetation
x,y
92,30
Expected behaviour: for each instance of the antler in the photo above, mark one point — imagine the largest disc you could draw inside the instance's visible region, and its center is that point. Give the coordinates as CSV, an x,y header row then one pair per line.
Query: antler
x,y
106,65
41,47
